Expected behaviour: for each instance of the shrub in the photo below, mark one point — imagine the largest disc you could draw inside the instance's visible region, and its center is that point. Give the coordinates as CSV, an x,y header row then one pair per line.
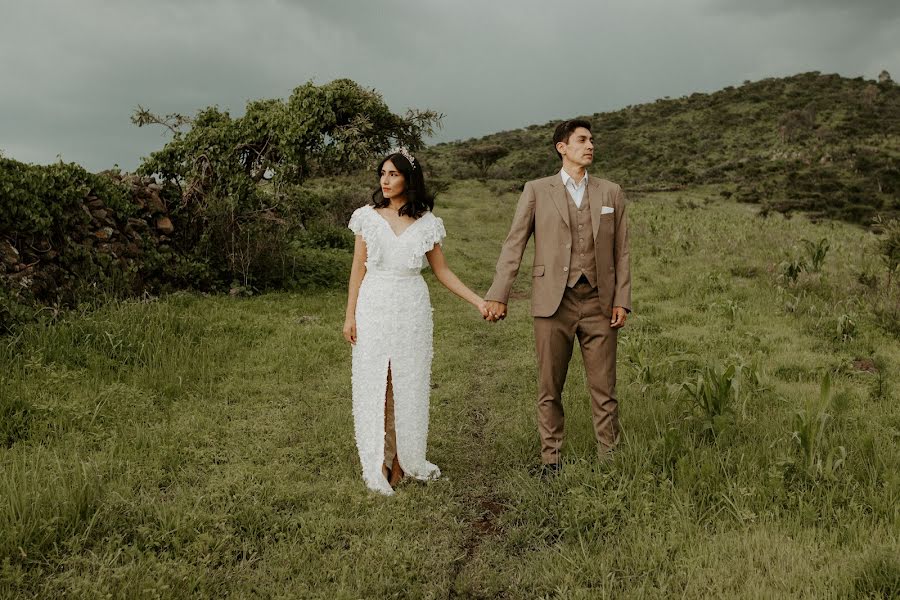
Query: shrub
x,y
889,245
46,200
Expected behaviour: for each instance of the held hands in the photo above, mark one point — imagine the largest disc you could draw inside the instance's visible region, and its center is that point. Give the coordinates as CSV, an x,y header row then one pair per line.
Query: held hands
x,y
350,330
619,315
496,311
481,305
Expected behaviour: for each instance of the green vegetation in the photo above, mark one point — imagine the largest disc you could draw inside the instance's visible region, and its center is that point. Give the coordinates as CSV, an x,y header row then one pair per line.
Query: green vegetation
x,y
46,200
257,236
822,144
202,446
230,213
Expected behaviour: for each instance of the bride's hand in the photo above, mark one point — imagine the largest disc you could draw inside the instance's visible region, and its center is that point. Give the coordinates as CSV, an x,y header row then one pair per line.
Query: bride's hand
x,y
350,330
483,309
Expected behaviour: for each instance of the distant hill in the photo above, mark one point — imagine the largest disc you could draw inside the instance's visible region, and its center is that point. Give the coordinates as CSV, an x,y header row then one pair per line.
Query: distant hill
x,y
824,144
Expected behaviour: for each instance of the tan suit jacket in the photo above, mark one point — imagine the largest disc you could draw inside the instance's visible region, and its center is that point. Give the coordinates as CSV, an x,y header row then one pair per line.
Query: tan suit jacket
x,y
543,211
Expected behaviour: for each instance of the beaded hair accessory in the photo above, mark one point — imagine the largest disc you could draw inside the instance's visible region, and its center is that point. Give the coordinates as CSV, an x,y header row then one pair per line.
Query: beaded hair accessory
x,y
405,154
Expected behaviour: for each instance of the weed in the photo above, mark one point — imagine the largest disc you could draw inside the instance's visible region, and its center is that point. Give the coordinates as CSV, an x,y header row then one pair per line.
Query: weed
x,y
712,394
809,428
816,252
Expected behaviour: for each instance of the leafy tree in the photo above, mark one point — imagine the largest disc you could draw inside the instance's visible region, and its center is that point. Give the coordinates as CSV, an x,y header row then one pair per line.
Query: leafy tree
x,y
234,181
318,129
483,156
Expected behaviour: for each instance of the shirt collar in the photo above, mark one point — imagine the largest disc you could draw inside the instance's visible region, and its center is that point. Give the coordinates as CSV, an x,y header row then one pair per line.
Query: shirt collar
x,y
566,178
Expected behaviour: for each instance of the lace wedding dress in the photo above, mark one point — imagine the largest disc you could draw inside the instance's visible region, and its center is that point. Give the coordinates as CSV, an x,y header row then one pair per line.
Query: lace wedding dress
x,y
393,329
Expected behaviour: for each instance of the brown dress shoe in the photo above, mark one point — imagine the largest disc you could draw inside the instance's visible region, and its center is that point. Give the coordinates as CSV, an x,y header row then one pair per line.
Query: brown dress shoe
x,y
396,473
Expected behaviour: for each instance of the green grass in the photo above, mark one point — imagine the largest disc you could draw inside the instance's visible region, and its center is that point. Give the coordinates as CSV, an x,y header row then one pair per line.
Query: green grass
x,y
198,446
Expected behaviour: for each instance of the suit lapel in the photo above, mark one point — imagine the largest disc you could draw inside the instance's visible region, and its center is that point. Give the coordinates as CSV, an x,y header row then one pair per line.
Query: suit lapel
x,y
595,198
560,199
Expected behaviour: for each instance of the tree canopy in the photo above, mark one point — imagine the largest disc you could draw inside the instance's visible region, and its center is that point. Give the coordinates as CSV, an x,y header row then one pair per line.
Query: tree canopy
x,y
319,129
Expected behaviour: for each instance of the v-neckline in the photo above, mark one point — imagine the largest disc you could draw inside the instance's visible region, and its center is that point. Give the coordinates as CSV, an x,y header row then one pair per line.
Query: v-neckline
x,y
386,222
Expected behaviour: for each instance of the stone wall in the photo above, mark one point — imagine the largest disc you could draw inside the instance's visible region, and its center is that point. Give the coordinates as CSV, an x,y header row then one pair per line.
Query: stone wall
x,y
47,268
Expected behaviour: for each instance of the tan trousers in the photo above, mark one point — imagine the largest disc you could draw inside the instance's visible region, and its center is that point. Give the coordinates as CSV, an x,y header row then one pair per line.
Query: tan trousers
x,y
579,315
390,433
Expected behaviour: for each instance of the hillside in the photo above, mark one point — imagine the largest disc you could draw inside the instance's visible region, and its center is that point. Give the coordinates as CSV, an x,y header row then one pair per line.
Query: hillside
x,y
824,144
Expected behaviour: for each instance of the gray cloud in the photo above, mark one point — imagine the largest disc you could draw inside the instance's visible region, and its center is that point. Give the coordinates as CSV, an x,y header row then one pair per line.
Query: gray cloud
x,y
73,72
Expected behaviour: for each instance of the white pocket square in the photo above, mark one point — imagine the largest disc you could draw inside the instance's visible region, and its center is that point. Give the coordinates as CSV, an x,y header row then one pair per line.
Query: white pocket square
x,y
605,210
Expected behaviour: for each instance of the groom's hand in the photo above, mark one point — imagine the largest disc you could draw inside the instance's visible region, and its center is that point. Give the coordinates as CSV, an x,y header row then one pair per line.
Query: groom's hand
x,y
496,311
618,317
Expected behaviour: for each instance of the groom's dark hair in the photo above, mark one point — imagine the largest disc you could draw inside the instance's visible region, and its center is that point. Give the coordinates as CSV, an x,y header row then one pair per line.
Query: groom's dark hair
x,y
565,129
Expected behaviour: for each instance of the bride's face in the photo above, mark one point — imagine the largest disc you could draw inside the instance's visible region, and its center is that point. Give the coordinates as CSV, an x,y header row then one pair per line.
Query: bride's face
x,y
393,183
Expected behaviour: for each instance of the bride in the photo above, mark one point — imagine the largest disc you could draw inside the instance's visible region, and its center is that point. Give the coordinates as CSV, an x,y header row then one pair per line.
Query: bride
x,y
389,322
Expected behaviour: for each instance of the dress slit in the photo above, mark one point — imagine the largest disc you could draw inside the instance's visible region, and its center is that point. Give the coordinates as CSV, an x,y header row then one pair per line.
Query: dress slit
x,y
393,417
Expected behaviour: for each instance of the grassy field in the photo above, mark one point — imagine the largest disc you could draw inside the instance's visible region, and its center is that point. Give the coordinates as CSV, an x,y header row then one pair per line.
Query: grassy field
x,y
202,446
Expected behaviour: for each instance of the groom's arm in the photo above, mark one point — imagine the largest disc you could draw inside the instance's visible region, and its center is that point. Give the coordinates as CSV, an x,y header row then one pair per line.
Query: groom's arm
x,y
622,297
511,254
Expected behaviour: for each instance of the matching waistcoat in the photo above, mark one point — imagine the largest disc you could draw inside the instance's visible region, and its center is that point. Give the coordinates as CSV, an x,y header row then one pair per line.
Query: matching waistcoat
x,y
582,261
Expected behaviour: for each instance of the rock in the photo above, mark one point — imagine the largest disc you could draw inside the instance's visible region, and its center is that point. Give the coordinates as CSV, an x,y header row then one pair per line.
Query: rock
x,y
95,203
8,253
164,224
155,187
104,234
99,214
865,364
138,223
155,204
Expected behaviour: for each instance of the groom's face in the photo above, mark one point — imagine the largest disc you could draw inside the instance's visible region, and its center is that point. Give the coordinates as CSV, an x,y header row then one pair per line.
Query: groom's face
x,y
579,149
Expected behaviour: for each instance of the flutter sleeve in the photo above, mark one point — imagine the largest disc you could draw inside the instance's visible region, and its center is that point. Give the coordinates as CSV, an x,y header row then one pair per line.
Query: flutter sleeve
x,y
432,232
362,223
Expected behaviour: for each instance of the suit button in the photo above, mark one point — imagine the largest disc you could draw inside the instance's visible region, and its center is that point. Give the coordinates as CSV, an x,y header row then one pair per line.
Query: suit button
x,y
582,254
568,246
565,268
580,226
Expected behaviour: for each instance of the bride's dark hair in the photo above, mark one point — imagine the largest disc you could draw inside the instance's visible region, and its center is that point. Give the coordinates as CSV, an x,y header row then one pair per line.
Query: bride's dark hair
x,y
418,200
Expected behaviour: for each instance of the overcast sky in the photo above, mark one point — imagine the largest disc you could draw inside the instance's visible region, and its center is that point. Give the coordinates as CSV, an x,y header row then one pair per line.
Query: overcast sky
x,y
72,72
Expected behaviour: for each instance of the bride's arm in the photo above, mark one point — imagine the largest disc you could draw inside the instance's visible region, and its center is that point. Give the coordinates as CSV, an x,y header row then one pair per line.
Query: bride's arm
x,y
357,272
450,281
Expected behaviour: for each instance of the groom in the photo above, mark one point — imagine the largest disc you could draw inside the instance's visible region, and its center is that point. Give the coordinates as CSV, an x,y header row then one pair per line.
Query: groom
x,y
581,284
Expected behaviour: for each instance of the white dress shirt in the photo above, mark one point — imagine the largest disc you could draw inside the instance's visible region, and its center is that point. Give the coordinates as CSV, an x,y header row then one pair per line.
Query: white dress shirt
x,y
576,190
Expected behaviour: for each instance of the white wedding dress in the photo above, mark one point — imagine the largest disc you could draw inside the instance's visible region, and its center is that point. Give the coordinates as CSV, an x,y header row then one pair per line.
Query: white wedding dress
x,y
393,328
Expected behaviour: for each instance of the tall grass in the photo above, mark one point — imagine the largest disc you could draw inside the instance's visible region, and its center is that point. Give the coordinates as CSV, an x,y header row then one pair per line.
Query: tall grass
x,y
197,446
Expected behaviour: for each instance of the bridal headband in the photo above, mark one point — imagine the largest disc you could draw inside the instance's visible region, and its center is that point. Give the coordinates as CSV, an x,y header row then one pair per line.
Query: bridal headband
x,y
405,154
